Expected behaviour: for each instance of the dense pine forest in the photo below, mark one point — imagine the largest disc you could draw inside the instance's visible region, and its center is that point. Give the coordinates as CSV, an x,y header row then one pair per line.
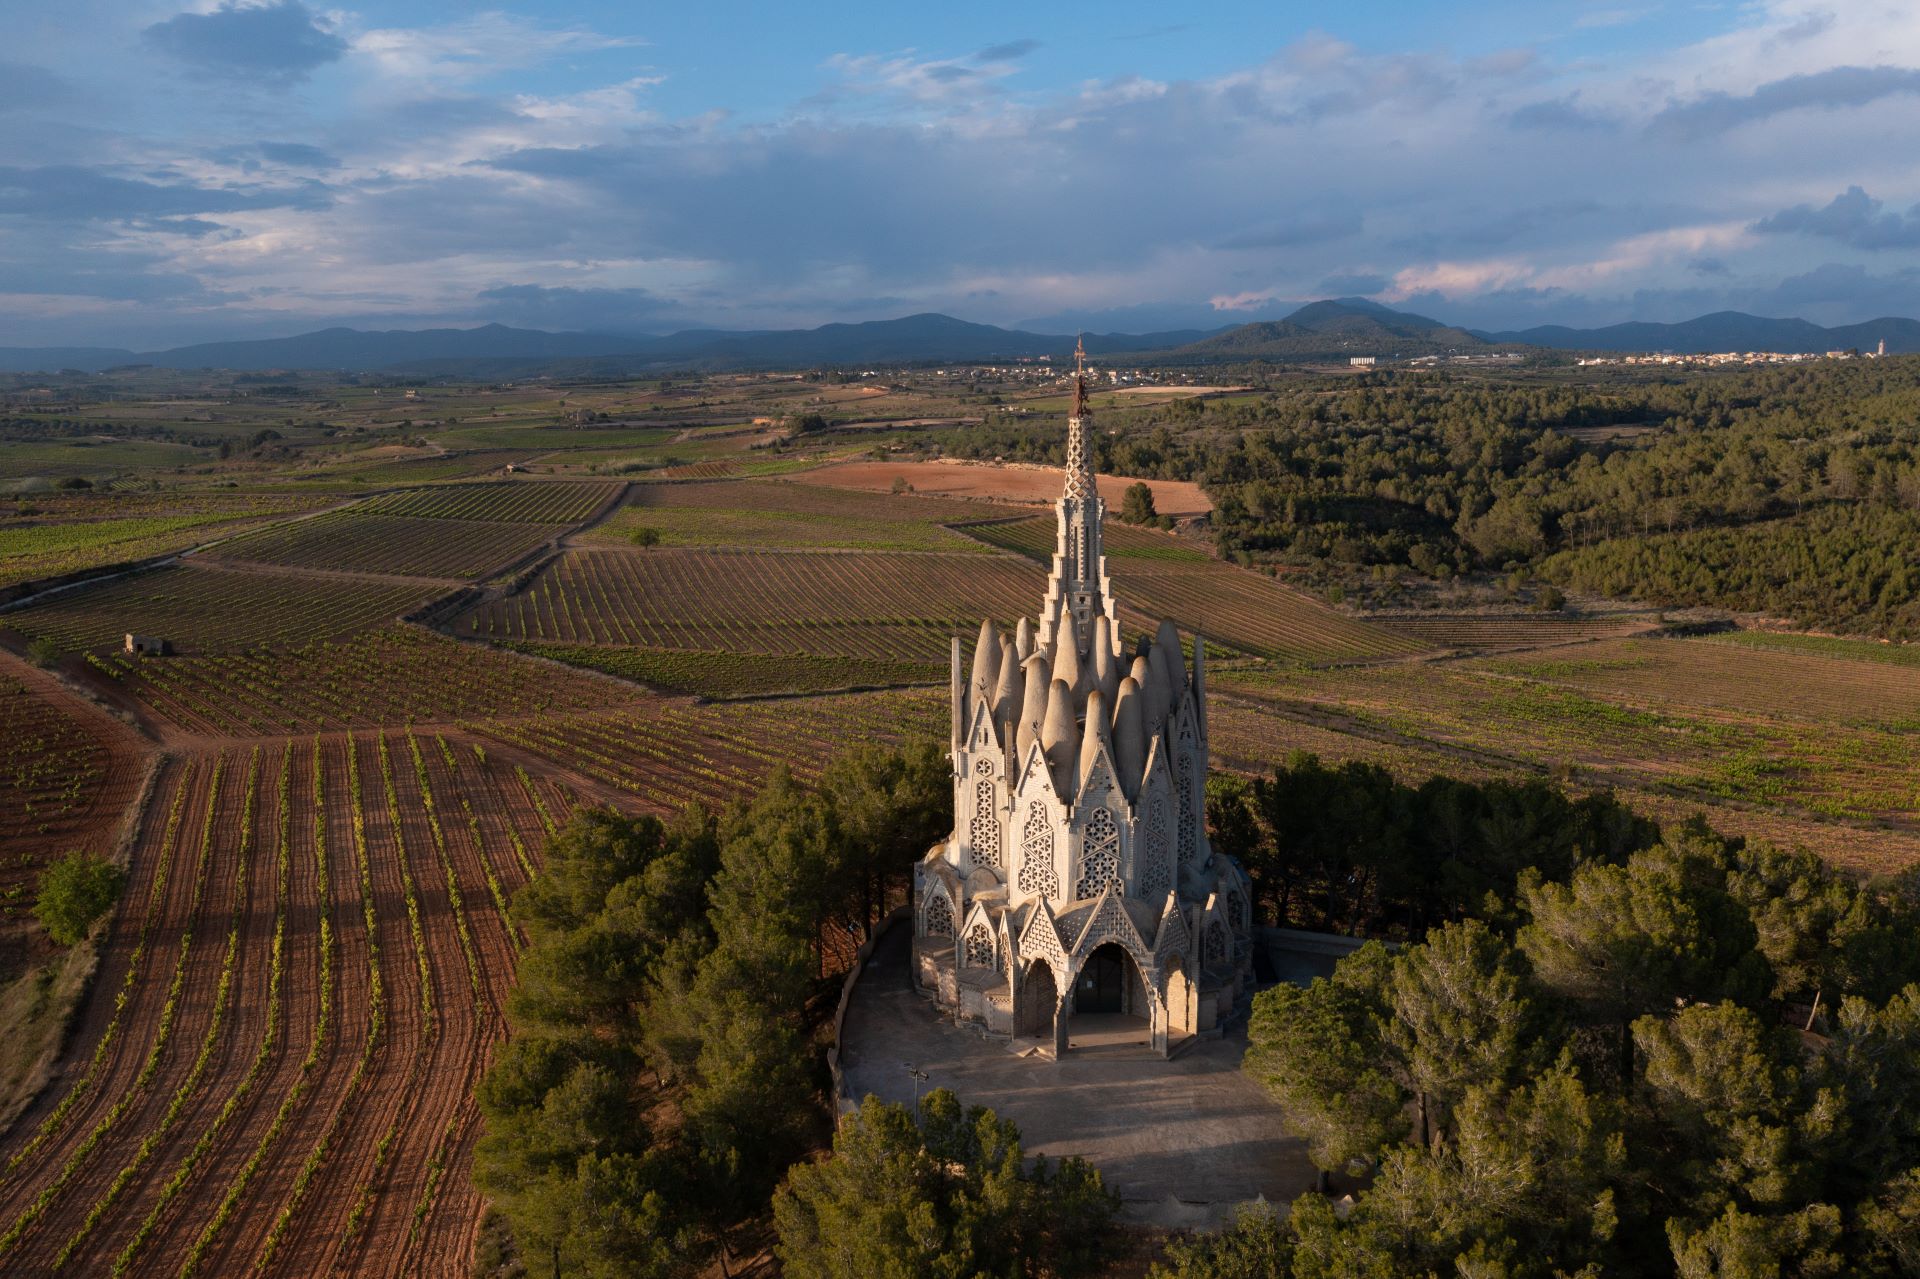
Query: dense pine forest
x,y
1786,491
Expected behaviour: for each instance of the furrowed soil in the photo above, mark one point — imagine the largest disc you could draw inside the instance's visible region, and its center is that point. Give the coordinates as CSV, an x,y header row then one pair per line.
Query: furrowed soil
x,y
1021,483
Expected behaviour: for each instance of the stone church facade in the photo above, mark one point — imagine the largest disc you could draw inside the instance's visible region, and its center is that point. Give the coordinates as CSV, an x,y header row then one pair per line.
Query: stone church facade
x,y
1078,879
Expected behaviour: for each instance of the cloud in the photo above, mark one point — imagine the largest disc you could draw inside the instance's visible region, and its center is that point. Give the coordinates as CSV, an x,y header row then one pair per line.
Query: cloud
x,y
920,80
1852,287
1352,284
495,166
23,86
276,41
1309,229
1564,115
297,155
1717,112
1612,17
595,309
76,192
1011,51
1852,218
475,48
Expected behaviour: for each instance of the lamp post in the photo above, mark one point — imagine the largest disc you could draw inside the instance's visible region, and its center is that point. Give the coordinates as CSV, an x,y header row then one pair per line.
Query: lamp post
x,y
919,1077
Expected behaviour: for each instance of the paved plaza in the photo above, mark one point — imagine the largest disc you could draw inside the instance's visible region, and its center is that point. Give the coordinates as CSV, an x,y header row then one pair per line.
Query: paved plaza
x,y
1180,1140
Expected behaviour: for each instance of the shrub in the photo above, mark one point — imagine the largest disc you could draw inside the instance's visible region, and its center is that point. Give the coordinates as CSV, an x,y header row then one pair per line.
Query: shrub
x,y
44,651
645,536
74,892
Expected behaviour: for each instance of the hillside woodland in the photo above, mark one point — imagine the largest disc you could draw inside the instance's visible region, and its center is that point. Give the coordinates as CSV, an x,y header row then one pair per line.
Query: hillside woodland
x,y
1793,491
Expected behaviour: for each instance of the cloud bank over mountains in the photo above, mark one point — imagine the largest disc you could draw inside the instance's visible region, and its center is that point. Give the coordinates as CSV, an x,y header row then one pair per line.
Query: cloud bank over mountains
x,y
173,172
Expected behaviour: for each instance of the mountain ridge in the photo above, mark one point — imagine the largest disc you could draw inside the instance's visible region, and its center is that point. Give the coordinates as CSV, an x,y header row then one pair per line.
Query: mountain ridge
x,y
1329,329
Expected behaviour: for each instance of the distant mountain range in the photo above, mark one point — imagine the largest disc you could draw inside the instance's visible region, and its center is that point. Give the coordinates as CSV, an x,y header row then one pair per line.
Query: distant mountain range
x,y
1329,330
1725,331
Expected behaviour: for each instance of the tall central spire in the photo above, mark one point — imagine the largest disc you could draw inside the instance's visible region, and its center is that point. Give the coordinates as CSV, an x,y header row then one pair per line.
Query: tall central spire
x,y
1079,587
1079,466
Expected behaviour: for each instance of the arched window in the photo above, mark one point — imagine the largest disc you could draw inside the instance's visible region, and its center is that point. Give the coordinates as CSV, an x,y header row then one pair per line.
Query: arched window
x,y
938,916
1216,942
984,831
980,947
1183,783
1155,876
1099,855
1036,854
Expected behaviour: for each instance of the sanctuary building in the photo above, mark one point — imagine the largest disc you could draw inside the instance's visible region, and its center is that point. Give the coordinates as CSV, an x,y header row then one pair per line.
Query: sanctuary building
x,y
1077,882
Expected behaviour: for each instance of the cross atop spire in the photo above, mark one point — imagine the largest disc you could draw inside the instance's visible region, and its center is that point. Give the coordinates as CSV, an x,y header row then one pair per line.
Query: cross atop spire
x,y
1079,375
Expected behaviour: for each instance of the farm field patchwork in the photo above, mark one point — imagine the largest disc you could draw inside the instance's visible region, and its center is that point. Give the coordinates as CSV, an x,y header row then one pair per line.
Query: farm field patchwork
x,y
1821,645
895,607
391,544
1490,633
272,1073
1709,675
1035,537
718,674
900,607
458,464
207,609
1028,484
773,513
31,466
507,502
1500,714
47,537
392,675
724,468
1252,613
666,752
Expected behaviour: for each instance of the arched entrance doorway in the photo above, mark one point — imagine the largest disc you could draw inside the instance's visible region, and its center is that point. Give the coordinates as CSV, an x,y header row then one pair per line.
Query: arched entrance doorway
x,y
1182,1006
1036,1004
1111,1003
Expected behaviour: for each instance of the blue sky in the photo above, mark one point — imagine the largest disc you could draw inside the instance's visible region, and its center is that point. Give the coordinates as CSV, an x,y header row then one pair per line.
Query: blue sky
x,y
174,172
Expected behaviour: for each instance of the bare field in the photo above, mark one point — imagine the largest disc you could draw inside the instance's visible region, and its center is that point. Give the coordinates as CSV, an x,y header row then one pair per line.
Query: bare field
x,y
1016,483
314,956
779,513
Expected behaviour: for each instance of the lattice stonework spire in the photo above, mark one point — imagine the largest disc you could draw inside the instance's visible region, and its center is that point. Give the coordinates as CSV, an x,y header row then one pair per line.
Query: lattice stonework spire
x,y
1080,484
1079,584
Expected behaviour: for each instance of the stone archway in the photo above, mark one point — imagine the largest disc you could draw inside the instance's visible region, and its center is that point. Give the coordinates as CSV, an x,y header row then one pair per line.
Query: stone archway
x,y
1183,1003
1037,1013
1112,1001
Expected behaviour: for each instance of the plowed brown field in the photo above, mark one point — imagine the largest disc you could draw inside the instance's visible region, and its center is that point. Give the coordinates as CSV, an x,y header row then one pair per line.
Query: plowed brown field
x,y
310,990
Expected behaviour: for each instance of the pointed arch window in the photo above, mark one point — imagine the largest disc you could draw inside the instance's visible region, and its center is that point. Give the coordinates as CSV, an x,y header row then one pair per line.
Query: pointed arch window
x,y
1099,855
937,920
1036,854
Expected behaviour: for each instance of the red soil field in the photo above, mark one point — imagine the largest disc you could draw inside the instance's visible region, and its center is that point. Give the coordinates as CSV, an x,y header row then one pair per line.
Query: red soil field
x,y
68,775
1041,484
287,1084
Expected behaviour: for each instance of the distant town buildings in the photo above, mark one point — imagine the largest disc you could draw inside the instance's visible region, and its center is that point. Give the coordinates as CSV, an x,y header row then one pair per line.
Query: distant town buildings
x,y
1362,361
1722,358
